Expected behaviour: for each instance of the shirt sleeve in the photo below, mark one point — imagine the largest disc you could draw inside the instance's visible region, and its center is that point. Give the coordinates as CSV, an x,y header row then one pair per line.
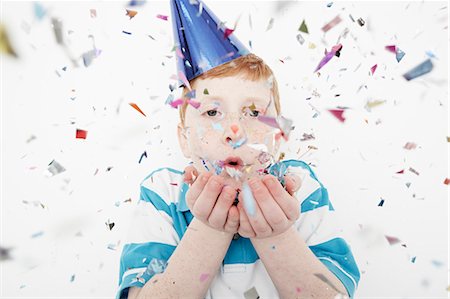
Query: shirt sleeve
x,y
152,237
319,226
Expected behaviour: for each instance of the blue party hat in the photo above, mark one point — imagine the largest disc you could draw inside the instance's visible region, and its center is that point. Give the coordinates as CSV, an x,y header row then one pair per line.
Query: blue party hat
x,y
201,39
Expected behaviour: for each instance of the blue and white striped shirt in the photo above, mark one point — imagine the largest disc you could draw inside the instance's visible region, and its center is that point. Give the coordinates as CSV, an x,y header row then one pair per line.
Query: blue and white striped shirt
x,y
162,217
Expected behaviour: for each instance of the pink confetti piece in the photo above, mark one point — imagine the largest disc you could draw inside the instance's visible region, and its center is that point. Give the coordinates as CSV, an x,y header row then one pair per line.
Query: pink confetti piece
x,y
162,17
373,68
410,145
392,240
268,120
228,32
335,51
179,54
176,103
338,114
183,79
331,24
392,49
204,277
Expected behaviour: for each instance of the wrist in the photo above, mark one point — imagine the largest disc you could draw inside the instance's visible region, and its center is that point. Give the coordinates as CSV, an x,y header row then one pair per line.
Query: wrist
x,y
198,225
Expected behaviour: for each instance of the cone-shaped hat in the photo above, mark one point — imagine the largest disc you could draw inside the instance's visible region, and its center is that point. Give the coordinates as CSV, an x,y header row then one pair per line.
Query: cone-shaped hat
x,y
202,40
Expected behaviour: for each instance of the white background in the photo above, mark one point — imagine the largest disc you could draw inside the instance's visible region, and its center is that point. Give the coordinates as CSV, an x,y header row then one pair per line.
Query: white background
x,y
357,160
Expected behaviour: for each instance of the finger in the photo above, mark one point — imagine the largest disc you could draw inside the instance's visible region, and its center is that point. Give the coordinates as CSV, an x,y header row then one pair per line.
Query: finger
x,y
293,183
256,219
190,174
219,213
207,199
232,223
268,206
196,189
287,203
245,228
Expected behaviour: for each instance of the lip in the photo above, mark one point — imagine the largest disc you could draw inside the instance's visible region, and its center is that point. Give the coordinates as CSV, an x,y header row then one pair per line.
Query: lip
x,y
233,162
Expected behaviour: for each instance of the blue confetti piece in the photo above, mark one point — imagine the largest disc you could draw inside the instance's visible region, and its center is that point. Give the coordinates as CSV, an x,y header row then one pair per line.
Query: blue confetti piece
x,y
39,11
126,32
249,200
191,94
381,203
217,126
420,70
38,234
238,143
204,164
399,54
156,266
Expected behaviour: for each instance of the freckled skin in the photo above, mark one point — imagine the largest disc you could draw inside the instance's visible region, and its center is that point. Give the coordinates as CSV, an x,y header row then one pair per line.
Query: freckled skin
x,y
205,139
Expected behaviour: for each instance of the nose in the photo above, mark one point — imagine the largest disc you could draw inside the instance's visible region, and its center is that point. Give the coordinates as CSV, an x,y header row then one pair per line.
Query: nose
x,y
234,128
234,135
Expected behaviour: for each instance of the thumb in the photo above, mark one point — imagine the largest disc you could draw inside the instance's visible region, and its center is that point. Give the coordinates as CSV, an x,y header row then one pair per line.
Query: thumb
x,y
293,183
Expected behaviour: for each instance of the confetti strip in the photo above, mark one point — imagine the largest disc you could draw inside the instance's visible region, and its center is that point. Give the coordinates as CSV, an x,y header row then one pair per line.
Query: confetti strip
x,y
420,70
270,25
249,200
162,17
137,108
335,51
81,134
144,154
381,203
5,45
331,24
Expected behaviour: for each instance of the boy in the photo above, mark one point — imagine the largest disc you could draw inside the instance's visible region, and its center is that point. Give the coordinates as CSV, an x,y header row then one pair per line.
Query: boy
x,y
234,224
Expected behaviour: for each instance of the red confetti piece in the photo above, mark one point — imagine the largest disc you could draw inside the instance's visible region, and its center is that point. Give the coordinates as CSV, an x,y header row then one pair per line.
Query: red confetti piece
x,y
338,114
137,108
447,181
401,171
81,134
373,68
162,17
392,49
174,184
228,32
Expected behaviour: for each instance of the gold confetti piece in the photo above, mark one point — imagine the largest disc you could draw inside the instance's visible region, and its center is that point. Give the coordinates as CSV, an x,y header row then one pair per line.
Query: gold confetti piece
x,y
5,45
372,104
312,46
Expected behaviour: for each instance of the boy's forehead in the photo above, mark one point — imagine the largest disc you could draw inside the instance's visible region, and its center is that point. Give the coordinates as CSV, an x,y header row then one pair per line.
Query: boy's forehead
x,y
224,89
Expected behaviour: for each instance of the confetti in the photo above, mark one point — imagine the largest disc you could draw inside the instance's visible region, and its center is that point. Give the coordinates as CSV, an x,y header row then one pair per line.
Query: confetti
x,y
39,11
156,266
413,260
204,277
335,51
183,79
330,4
81,134
339,114
89,56
179,102
447,181
109,224
360,22
144,154
162,17
227,32
303,28
5,45
300,39
131,13
126,32
135,106
401,171
72,278
381,203
191,94
392,240
54,168
331,24
38,234
413,171
4,253
136,2
205,91
420,70
373,68
410,146
93,12
270,25
251,294
237,143
399,54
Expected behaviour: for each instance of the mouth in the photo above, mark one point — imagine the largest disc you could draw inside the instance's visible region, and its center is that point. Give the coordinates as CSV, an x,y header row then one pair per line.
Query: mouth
x,y
233,162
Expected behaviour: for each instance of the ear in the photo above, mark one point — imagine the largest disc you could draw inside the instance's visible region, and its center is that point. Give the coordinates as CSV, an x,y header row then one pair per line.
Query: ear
x,y
182,140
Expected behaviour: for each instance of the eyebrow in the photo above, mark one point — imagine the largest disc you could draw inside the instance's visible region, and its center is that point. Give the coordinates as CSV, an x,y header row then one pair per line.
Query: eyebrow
x,y
248,99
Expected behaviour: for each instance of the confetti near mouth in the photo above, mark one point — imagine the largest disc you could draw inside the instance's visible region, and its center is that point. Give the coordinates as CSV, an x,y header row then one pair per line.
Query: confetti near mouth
x,y
249,200
420,70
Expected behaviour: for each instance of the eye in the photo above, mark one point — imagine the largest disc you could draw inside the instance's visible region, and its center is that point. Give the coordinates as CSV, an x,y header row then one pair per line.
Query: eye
x,y
211,112
254,113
